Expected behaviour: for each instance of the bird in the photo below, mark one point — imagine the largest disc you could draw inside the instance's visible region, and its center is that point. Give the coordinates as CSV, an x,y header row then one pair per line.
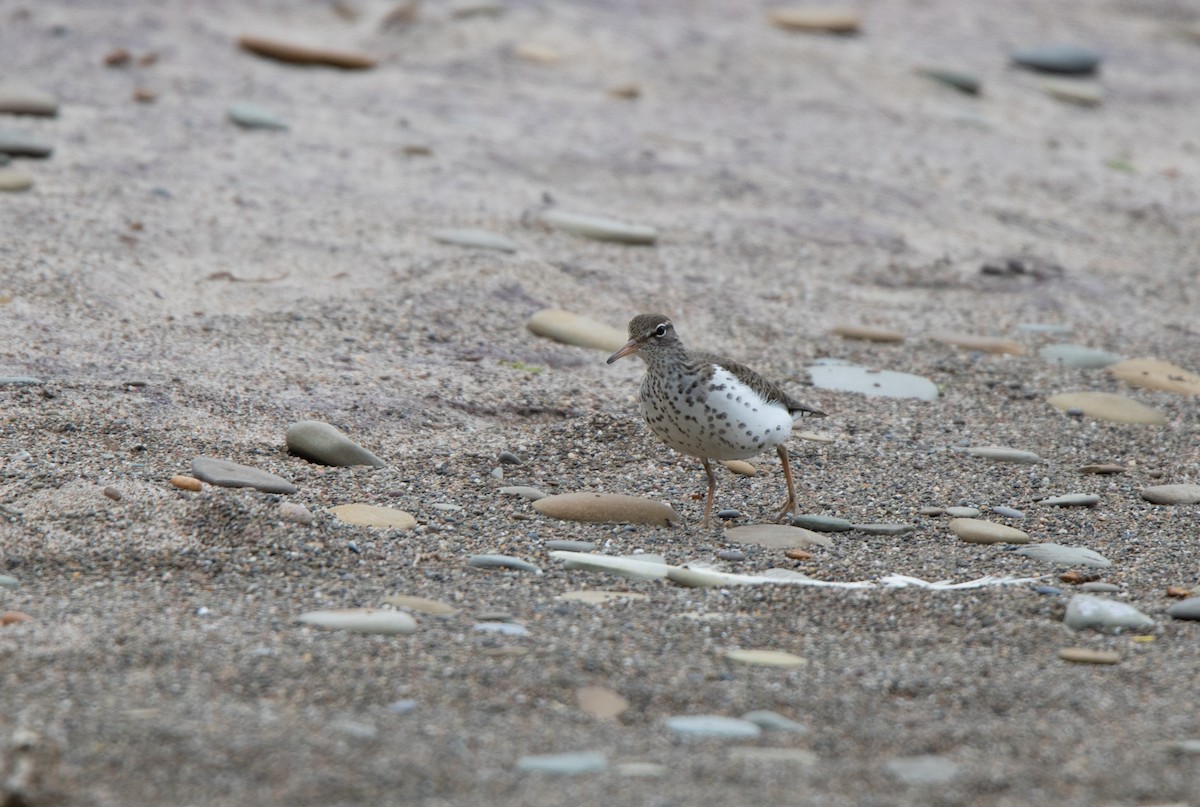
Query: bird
x,y
708,406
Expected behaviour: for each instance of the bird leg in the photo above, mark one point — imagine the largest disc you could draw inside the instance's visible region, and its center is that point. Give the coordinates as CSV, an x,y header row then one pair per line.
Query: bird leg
x,y
790,504
712,492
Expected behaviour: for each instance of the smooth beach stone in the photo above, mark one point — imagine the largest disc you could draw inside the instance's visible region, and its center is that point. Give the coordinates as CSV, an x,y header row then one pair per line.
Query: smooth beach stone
x,y
422,604
1107,406
567,764
1004,454
1072,500
757,754
1107,588
1185,609
503,628
226,474
732,555
883,529
606,563
322,443
1078,356
607,508
572,546
1086,611
933,511
819,523
1008,512
926,769
832,19
17,98
1083,655
963,512
766,658
13,180
361,620
22,145
1155,374
1063,555
958,79
480,239
1172,494
600,701
872,383
524,491
253,116
599,596
984,344
1070,59
773,721
601,229
1103,468
9,582
303,54
1073,91
1183,746
185,482
370,515
502,562
20,381
740,467
295,513
867,333
712,726
978,531
776,536
574,329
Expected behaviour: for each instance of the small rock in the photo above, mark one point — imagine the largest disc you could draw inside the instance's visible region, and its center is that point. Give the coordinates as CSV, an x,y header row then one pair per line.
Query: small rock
x,y
145,95
1003,454
1086,611
1108,406
600,229
872,383
253,116
978,531
1179,592
963,512
1103,468
571,546
734,555
322,443
776,536
773,721
361,620
509,458
1185,609
1158,375
883,529
1064,555
1078,356
185,482
1082,655
600,702
573,329
984,344
1074,578
928,769
21,145
370,515
9,582
112,493
524,491
13,180
932,511
789,757
599,596
960,80
740,467
729,514
14,618
1106,588
568,764
629,90
232,475
766,658
1070,59
1071,500
502,562
1047,590
503,628
867,333
478,239
607,508
303,54
819,523
798,554
422,604
1073,91
117,57
712,726
831,19
1172,494
295,513
1008,512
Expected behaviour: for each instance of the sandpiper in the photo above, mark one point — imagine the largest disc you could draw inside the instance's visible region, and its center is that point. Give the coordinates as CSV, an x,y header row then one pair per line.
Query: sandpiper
x,y
708,406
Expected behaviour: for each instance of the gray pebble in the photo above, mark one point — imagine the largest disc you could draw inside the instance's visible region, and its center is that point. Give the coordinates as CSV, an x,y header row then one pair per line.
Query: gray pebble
x,y
1064,555
1004,454
480,239
732,555
571,546
729,514
9,582
322,443
927,769
503,628
524,491
1086,611
1072,500
112,493
773,721
1068,59
932,511
401,707
224,473
1172,494
19,381
568,764
21,145
1008,512
1078,356
1185,609
509,458
1047,589
253,116
712,726
962,512
884,529
821,523
1107,588
502,562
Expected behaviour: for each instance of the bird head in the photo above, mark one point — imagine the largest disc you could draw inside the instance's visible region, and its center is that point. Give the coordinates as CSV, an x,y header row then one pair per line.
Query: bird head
x,y
647,332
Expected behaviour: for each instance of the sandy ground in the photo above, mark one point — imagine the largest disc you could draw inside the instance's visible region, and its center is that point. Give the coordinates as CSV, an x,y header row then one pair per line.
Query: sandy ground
x,y
186,287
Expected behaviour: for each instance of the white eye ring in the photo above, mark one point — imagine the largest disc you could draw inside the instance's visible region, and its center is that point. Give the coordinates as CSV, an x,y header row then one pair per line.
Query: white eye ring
x,y
661,330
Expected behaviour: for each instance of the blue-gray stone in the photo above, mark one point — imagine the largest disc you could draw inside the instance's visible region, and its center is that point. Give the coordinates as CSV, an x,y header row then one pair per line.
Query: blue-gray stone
x,y
322,443
927,769
821,523
712,726
571,546
1086,611
773,721
883,529
1063,555
226,474
1069,59
1078,356
1185,609
503,628
1008,512
253,116
872,383
19,144
568,764
502,562
19,381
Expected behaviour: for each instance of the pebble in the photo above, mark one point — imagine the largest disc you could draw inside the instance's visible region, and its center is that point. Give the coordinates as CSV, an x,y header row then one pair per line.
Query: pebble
x,y
1072,500
600,229
1108,406
978,531
567,764
524,491
599,596
573,329
502,562
361,620
1063,555
740,467
831,19
872,383
1069,59
932,511
820,523
958,79
623,567
1172,494
699,578
17,98
295,513
21,145
185,482
112,493
792,757
370,515
1008,512
776,536
422,604
1106,588
324,444
1078,356
20,381
629,91
253,116
1086,611
1185,609
509,458
798,554
963,512
773,721
734,555
479,239
303,54
729,514
607,508
503,628
1073,91
571,546
984,344
13,180
1155,374
766,658
9,582
600,702
1103,468
712,726
884,529
1003,454
1048,590
867,333
226,474
13,618
402,707
926,769
1083,655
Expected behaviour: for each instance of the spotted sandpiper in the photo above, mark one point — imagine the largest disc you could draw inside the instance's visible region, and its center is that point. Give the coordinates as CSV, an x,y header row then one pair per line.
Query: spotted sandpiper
x,y
708,406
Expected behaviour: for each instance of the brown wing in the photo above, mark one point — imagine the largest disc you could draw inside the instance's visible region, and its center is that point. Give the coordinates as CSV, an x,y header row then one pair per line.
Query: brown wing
x,y
760,385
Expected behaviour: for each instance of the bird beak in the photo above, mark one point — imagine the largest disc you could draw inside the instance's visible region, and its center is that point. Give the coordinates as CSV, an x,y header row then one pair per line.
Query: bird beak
x,y
630,347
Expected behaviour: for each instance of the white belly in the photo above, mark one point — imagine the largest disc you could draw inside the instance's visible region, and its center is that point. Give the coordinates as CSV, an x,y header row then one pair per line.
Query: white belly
x,y
722,419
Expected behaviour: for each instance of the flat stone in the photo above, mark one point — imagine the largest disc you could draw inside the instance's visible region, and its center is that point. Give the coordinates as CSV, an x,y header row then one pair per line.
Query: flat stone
x,y
978,531
22,145
883,529
729,514
1087,611
1071,500
872,383
478,239
1078,356
1083,655
573,329
963,512
1095,585
740,467
867,333
226,474
623,567
932,511
712,726
1185,609
502,562
524,491
1064,555
983,344
960,80
17,98
185,482
361,620
600,702
607,508
322,443
1073,91
601,229
253,116
295,513
790,757
732,555
503,628
1004,454
599,596
9,582
572,546
819,523
422,604
1155,374
1183,747
776,536
773,721
831,19
926,769
766,658
567,764
296,53
14,180
20,381
1108,406
370,515
1103,468
1172,494
1069,59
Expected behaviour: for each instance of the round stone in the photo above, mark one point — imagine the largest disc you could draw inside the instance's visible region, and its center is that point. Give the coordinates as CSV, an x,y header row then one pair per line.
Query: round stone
x,y
1078,356
1064,555
322,443
1004,454
361,620
1108,406
13,180
978,531
776,536
831,19
867,333
303,54
186,482
295,513
370,515
601,229
1072,500
1083,655
1172,494
477,239
607,508
766,658
224,473
573,329
740,467
1155,374
112,492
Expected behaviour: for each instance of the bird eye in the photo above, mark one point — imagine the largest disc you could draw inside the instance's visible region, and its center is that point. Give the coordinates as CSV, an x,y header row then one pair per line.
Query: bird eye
x,y
661,330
